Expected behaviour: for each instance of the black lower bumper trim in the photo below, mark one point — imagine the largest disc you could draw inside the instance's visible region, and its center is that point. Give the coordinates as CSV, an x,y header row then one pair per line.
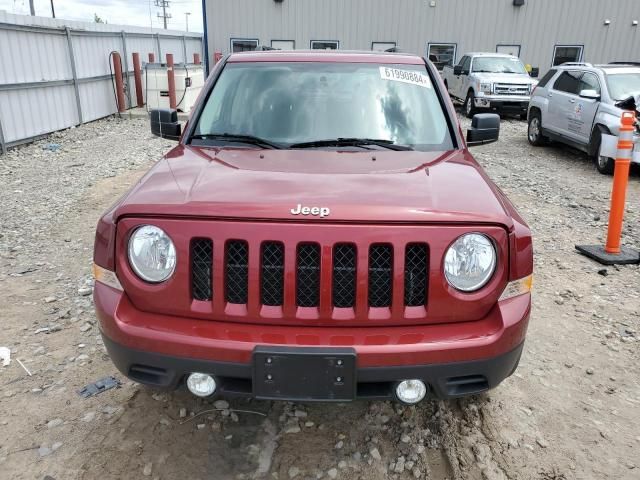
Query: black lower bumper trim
x,y
512,106
445,380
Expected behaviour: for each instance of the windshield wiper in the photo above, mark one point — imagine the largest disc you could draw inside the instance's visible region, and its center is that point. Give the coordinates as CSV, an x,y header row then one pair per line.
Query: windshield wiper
x,y
231,137
351,142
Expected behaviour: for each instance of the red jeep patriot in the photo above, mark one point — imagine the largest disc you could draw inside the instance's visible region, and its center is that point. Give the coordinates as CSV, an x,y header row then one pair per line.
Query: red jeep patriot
x,y
320,232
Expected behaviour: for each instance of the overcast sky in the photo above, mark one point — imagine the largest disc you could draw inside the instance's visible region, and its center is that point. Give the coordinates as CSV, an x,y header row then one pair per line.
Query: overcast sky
x,y
124,12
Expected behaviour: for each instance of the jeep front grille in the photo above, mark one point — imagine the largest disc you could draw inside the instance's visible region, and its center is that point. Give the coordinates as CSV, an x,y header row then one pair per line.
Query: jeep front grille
x,y
308,275
415,274
311,279
380,275
237,272
344,275
272,274
201,263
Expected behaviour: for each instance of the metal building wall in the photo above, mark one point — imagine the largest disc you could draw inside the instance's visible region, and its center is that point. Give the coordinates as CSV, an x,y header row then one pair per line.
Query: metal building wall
x,y
474,25
55,74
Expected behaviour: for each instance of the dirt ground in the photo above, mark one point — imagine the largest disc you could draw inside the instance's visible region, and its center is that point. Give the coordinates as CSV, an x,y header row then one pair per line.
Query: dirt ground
x,y
571,411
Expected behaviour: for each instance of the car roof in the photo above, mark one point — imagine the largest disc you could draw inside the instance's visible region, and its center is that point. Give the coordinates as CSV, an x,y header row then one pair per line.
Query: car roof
x,y
607,68
326,56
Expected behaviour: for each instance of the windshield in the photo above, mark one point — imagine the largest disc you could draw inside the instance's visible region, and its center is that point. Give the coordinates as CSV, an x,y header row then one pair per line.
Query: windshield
x,y
297,103
623,85
498,65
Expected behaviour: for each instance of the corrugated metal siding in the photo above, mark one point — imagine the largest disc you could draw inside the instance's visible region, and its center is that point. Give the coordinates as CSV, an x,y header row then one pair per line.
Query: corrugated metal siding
x,y
473,25
40,53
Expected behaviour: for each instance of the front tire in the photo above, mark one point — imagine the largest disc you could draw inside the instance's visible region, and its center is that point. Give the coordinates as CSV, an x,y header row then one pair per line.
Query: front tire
x,y
470,105
605,165
534,130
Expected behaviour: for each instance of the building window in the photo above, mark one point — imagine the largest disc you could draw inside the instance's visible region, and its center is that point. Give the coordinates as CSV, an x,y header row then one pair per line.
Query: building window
x,y
382,46
566,53
442,54
509,50
324,44
243,45
283,44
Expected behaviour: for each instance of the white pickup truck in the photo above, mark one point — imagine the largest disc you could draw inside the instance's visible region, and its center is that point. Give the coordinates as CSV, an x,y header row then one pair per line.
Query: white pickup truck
x,y
492,81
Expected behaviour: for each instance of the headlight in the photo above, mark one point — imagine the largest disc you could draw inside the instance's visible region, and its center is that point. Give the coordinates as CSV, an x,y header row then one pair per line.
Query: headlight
x,y
485,87
470,262
152,254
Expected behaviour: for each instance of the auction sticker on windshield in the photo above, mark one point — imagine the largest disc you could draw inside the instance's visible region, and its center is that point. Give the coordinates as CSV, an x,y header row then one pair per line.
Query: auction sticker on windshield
x,y
405,76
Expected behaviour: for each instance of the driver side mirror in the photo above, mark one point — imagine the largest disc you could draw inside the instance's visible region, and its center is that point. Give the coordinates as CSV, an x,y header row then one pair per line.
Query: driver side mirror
x,y
589,94
457,70
164,123
485,128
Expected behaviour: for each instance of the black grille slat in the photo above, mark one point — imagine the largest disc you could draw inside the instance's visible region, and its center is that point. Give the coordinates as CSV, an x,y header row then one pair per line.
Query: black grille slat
x,y
272,274
344,276
237,272
308,275
201,265
415,275
380,275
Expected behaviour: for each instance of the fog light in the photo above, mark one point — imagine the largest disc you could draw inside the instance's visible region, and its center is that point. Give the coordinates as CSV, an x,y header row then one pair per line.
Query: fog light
x,y
201,384
411,391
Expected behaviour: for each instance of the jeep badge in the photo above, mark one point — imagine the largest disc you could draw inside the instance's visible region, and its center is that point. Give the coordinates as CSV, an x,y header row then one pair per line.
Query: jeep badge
x,y
316,211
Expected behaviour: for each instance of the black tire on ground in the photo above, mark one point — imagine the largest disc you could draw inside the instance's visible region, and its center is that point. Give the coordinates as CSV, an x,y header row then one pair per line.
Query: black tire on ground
x,y
605,165
469,105
534,130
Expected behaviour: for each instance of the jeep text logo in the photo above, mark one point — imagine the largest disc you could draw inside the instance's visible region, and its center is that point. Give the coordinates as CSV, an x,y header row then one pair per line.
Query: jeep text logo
x,y
317,211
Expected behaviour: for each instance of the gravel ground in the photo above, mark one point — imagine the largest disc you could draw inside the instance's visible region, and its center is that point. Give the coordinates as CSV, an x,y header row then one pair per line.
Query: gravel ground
x,y
569,412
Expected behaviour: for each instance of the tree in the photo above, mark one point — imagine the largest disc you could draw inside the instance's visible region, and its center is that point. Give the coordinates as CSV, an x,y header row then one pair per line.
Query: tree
x,y
97,19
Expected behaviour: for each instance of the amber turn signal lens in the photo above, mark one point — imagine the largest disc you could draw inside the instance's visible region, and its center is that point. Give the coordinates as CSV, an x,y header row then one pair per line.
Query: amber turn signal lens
x,y
107,277
517,287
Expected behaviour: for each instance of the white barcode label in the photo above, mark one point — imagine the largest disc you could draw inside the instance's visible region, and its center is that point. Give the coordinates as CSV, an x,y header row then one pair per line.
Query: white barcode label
x,y
405,76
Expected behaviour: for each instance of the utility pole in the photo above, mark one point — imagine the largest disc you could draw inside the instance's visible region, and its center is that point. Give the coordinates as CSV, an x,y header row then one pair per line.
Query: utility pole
x,y
164,4
53,10
186,17
33,9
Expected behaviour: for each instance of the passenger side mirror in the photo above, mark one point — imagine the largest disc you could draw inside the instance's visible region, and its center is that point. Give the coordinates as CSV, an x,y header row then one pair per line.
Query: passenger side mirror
x,y
457,70
164,123
535,72
589,94
485,128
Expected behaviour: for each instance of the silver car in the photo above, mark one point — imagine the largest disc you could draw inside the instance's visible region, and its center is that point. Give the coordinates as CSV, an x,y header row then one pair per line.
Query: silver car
x,y
578,103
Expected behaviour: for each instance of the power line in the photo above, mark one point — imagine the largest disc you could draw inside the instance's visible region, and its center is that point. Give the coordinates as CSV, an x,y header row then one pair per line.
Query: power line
x,y
164,4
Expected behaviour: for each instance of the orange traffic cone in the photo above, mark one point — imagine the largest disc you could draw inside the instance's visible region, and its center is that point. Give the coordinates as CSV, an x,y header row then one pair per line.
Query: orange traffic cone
x,y
613,253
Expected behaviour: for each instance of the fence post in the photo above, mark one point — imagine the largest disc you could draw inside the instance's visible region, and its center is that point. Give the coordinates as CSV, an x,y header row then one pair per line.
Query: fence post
x,y
184,49
76,87
171,80
126,66
159,49
3,146
137,76
117,72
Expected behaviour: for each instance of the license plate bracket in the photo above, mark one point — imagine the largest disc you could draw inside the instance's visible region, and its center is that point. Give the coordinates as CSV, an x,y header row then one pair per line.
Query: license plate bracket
x,y
304,373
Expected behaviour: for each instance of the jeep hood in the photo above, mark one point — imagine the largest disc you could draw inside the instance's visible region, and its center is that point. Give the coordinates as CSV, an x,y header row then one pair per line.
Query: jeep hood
x,y
363,186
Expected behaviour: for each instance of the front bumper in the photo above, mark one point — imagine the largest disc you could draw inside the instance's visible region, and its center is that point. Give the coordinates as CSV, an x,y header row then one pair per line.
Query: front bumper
x,y
515,103
454,359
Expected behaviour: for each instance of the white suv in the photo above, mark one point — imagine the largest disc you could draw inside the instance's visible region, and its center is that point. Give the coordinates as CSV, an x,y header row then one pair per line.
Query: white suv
x,y
576,103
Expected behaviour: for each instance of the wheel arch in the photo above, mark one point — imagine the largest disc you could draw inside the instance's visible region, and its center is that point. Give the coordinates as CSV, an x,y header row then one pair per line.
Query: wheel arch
x,y
600,128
